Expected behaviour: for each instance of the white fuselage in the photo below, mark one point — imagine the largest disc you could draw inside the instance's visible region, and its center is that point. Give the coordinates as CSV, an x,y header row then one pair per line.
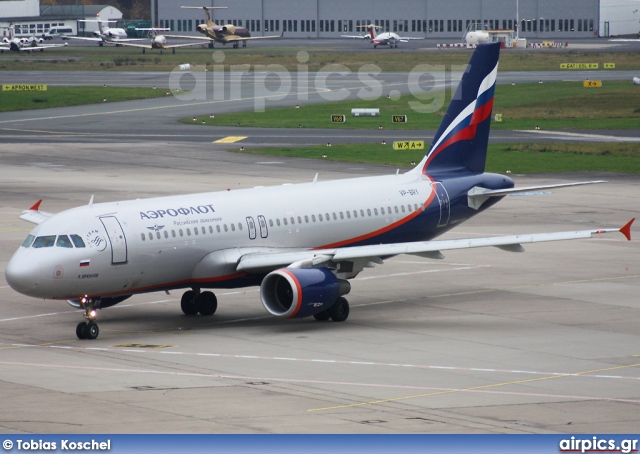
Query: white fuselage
x,y
171,242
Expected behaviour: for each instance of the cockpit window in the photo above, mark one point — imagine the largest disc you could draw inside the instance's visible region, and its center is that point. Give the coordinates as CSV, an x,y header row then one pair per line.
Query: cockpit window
x,y
28,241
77,241
44,241
64,241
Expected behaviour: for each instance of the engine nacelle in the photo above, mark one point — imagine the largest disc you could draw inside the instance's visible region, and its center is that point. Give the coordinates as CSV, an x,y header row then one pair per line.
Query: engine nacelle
x,y
301,292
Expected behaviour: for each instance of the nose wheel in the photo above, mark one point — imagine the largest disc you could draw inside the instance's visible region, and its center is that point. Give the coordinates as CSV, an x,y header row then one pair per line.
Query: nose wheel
x,y
88,329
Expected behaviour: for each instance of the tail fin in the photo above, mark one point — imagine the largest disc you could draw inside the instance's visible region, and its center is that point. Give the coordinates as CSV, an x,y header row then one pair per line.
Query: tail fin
x,y
461,141
210,23
372,33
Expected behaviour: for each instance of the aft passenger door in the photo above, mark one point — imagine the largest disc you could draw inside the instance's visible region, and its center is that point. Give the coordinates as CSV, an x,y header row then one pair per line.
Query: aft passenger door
x,y
116,238
445,205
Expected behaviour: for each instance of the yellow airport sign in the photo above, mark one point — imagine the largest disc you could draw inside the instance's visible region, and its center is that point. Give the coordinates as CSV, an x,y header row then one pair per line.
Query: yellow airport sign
x,y
592,84
609,65
399,118
579,65
409,145
24,87
338,118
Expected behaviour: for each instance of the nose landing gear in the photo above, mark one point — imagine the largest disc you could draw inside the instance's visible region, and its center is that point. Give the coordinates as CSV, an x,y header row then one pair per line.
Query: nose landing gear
x,y
88,329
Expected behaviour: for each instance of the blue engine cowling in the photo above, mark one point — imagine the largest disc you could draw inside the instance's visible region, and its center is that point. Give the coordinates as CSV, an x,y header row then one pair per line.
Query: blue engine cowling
x,y
296,292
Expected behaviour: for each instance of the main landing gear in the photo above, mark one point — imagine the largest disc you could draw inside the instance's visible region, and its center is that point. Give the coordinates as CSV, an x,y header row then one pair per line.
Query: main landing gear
x,y
194,302
88,329
339,312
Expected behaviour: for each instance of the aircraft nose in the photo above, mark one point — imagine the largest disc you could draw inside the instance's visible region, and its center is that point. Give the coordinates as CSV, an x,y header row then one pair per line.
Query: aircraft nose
x,y
23,274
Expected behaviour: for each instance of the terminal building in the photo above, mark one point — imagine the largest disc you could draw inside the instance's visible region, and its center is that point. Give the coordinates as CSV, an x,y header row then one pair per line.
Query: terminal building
x,y
447,19
420,18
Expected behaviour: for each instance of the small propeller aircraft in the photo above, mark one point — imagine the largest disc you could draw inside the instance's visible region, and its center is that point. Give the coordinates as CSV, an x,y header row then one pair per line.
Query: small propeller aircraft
x,y
158,41
30,44
383,39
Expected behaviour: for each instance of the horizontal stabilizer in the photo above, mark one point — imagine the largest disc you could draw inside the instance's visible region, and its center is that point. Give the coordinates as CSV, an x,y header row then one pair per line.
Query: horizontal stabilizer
x,y
477,195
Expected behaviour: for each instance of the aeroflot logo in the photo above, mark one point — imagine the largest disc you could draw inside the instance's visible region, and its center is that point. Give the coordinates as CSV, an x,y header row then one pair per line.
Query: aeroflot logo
x,y
174,212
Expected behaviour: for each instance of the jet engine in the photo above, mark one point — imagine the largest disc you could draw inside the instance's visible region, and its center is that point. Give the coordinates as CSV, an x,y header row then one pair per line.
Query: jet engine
x,y
230,29
301,292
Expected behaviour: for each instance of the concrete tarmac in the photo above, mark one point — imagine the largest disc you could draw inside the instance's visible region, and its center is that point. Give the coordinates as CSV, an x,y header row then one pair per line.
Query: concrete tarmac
x,y
485,341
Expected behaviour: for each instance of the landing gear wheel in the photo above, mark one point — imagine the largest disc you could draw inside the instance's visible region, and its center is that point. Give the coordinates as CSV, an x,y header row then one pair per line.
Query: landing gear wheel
x,y
92,330
235,45
81,330
339,312
375,46
244,44
187,303
323,316
207,303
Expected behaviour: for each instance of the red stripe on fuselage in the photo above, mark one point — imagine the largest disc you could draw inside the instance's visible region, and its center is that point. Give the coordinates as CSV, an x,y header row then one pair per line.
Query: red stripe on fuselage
x,y
382,230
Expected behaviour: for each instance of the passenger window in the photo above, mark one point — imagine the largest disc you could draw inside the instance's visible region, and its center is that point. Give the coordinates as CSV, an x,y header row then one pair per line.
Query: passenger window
x,y
144,238
375,211
158,235
239,226
195,231
299,220
64,241
362,213
226,229
270,222
44,241
348,214
306,219
233,227
368,212
218,228
181,232
278,222
285,221
28,241
293,221
204,231
166,234
313,217
210,229
396,208
335,218
188,232
402,208
77,241
150,235
173,233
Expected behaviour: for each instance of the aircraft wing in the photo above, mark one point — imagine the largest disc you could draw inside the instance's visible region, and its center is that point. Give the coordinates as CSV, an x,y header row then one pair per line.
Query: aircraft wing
x,y
201,38
231,38
182,45
356,36
142,46
255,262
34,215
404,39
84,38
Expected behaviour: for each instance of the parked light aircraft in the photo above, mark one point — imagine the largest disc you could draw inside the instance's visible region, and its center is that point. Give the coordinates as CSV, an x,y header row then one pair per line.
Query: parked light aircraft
x,y
105,34
300,243
224,34
383,39
158,41
29,44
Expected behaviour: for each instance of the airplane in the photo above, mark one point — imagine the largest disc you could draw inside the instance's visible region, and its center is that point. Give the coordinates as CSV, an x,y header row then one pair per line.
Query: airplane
x,y
29,44
158,41
224,34
105,34
383,39
300,243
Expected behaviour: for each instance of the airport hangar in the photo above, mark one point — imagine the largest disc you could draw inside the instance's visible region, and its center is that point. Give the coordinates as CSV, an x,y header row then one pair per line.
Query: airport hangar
x,y
538,19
